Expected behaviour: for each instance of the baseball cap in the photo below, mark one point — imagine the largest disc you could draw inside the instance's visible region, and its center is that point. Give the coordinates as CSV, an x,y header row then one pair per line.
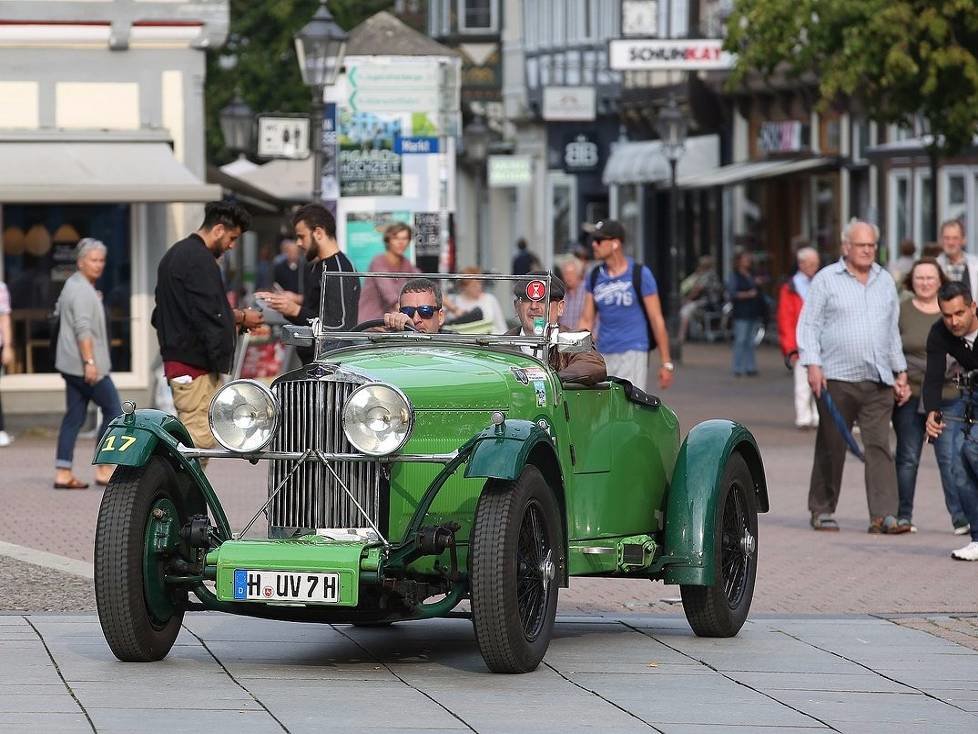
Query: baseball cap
x,y
608,229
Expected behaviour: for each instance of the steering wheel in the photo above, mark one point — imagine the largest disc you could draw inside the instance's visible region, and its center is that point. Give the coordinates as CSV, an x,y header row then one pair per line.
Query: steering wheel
x,y
374,323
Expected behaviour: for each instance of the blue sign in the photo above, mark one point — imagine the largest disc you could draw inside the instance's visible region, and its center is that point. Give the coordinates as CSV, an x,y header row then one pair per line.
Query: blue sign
x,y
415,145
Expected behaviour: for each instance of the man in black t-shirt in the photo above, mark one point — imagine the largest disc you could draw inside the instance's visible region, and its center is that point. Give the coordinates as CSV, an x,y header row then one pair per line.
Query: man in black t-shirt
x,y
315,233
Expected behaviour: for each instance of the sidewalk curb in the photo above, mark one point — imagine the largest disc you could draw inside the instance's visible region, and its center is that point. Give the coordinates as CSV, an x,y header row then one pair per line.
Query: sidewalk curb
x,y
48,560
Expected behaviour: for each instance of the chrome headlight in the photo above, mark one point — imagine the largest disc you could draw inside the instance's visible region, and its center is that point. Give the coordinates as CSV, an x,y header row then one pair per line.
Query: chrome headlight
x,y
377,419
244,416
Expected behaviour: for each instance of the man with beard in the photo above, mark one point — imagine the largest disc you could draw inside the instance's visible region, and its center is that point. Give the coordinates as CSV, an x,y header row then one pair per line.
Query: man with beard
x,y
315,233
955,335
194,322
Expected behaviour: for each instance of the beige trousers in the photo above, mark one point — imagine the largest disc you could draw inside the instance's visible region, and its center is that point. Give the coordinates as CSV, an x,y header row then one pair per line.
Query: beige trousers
x,y
192,401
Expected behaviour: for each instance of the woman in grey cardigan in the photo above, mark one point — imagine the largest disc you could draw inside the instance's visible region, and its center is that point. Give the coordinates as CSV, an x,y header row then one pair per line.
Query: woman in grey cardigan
x,y
82,358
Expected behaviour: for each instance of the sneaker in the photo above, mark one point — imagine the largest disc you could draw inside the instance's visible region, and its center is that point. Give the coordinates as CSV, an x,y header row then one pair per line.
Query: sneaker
x,y
968,553
824,521
892,526
962,529
5,439
904,522
875,526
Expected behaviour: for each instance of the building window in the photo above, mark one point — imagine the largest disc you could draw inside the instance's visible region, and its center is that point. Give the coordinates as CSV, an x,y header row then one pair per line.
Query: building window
x,y
478,16
439,18
674,18
38,248
900,211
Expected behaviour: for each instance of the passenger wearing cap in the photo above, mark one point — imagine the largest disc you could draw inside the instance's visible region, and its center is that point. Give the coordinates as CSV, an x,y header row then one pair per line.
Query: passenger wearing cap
x,y
627,316
419,304
586,368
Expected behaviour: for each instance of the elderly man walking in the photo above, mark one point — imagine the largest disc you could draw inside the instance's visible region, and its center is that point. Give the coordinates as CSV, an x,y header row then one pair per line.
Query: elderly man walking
x,y
849,341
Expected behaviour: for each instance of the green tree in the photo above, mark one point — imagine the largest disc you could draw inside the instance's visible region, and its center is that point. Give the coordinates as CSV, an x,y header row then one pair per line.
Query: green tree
x,y
892,59
259,62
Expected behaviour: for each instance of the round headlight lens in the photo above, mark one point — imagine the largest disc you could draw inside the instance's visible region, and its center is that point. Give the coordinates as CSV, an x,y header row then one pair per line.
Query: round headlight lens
x,y
244,416
377,419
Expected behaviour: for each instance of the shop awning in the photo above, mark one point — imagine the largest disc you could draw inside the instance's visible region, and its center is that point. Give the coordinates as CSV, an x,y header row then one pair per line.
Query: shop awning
x,y
752,170
645,162
85,171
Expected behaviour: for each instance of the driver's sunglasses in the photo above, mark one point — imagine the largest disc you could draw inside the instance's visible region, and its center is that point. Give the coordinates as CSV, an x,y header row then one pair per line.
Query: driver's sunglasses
x,y
425,312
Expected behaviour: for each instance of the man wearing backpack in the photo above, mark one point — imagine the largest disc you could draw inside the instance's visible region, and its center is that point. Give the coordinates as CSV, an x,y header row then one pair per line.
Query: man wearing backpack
x,y
624,295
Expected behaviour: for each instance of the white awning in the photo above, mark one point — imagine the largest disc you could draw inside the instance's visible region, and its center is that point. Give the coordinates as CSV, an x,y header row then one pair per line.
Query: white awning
x,y
35,172
284,179
645,162
752,170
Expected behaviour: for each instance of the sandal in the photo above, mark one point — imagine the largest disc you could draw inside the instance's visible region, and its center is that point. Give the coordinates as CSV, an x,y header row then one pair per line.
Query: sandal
x,y
825,522
73,483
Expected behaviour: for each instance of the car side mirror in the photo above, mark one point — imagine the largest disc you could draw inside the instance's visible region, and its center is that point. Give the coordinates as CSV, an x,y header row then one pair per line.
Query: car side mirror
x,y
298,336
574,342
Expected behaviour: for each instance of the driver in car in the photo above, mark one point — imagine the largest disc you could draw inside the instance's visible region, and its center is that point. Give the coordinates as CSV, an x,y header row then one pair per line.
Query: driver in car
x,y
419,304
585,368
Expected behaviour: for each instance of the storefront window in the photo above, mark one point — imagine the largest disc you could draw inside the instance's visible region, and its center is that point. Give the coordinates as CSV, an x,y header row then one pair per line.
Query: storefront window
x,y
38,244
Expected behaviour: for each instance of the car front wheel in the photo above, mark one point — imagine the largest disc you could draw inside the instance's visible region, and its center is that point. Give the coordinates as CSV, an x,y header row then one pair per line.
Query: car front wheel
x,y
720,610
515,556
138,529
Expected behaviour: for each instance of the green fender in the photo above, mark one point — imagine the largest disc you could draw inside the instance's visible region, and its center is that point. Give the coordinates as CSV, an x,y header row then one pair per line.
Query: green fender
x,y
501,451
132,439
691,508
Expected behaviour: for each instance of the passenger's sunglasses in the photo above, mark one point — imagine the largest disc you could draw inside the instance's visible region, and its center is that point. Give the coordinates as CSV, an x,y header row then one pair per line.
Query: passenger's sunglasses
x,y
425,312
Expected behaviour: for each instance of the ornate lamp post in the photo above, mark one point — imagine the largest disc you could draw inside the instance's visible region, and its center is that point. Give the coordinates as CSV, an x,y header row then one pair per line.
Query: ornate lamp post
x,y
319,47
237,126
672,128
475,138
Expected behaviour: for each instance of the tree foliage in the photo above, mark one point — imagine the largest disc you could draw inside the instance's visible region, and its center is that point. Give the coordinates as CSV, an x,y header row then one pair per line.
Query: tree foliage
x,y
894,58
258,60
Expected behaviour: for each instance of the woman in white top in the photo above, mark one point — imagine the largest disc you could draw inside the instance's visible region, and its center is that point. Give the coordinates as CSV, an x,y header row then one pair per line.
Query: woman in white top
x,y
471,295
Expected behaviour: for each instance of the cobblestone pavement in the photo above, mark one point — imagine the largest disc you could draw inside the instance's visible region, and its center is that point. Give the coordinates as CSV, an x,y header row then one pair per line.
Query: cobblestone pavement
x,y
620,673
800,571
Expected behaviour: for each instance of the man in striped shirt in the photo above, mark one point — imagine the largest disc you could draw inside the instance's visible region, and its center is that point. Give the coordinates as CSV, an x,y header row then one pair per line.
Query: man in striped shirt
x,y
849,341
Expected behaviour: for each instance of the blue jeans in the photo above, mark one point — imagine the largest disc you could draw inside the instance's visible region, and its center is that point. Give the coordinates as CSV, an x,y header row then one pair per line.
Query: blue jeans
x,y
969,499
78,394
949,452
743,345
909,426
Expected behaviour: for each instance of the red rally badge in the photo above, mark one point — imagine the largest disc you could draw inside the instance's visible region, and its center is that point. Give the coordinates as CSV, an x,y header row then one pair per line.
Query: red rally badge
x,y
536,290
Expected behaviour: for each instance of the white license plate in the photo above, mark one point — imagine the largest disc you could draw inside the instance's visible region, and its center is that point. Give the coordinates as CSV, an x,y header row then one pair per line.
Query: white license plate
x,y
312,588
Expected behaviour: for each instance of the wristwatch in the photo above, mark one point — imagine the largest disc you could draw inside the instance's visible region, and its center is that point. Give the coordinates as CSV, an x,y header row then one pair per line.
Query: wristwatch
x,y
668,366
90,361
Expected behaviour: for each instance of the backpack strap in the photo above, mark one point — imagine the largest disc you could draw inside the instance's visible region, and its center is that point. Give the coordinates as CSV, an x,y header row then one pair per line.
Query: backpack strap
x,y
594,277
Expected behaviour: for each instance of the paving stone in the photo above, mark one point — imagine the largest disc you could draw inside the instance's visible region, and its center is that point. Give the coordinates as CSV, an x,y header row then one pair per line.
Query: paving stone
x,y
127,721
48,723
876,708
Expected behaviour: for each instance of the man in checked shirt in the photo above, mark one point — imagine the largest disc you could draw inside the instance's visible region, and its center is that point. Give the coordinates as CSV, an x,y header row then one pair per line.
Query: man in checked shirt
x,y
849,341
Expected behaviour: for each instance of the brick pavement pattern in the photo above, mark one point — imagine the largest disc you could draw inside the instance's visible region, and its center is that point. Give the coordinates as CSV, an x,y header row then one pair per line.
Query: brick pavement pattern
x,y
800,571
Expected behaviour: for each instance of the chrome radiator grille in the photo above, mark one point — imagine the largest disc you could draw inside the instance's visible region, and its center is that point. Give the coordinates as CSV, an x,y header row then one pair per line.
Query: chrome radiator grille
x,y
312,498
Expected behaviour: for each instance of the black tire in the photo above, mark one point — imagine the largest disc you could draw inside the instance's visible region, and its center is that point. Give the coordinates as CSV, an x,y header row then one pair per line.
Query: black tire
x,y
135,631
720,610
515,557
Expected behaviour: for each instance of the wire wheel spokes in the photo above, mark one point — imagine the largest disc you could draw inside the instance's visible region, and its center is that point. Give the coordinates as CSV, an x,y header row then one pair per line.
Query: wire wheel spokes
x,y
533,569
737,546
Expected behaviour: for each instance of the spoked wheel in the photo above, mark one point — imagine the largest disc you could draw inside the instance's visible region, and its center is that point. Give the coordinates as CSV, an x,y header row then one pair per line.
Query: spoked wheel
x,y
139,522
720,610
515,555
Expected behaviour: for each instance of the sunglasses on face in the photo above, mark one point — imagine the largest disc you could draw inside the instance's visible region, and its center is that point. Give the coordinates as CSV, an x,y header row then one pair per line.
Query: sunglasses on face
x,y
425,312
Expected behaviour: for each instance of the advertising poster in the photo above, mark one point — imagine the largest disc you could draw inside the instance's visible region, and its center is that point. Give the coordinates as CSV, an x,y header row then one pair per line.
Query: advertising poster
x,y
369,164
427,231
330,182
365,236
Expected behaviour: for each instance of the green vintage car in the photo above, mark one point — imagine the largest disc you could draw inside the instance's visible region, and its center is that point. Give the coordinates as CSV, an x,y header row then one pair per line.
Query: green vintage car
x,y
411,472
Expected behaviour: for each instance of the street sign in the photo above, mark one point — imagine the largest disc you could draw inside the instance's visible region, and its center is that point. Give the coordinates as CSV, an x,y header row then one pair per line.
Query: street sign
x,y
509,170
569,103
283,137
650,54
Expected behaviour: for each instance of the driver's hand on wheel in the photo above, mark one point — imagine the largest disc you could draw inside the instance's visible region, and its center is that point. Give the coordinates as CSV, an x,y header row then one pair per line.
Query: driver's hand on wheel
x,y
396,321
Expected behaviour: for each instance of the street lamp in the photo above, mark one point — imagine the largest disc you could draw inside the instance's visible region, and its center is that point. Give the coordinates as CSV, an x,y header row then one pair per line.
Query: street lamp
x,y
475,138
319,47
237,124
672,127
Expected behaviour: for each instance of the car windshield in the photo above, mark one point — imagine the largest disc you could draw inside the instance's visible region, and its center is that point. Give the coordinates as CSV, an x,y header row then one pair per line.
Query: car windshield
x,y
479,308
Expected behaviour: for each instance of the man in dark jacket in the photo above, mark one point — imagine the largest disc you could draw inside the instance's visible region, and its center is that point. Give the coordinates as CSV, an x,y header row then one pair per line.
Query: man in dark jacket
x,y
586,368
315,233
194,322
